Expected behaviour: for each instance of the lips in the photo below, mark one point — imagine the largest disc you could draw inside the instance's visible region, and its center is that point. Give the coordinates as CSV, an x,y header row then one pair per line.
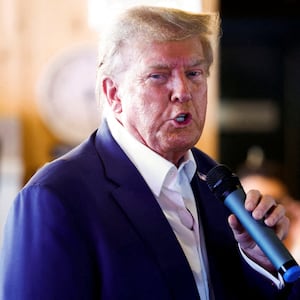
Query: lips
x,y
183,118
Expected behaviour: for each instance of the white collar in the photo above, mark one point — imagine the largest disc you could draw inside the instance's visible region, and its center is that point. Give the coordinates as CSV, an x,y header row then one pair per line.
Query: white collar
x,y
156,170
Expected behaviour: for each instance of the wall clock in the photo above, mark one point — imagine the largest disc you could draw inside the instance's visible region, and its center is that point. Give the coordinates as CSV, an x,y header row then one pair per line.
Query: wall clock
x,y
66,94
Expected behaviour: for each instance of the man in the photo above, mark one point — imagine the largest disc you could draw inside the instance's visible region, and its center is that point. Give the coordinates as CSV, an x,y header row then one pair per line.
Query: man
x,y
125,215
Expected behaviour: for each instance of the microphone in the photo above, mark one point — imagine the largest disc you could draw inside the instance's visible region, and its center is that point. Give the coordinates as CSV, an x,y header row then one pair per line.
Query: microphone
x,y
226,187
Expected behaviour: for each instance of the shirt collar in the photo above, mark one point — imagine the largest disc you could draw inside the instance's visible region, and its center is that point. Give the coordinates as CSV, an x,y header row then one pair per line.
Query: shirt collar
x,y
156,170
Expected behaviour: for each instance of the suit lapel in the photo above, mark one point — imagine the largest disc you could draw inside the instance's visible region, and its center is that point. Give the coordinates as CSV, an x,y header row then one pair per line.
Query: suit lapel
x,y
138,203
213,215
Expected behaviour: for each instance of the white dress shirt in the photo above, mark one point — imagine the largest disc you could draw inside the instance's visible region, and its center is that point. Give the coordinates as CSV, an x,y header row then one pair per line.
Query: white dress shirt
x,y
171,187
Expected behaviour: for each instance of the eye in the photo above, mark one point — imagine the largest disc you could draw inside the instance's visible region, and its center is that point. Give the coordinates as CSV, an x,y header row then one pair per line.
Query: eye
x,y
158,77
195,74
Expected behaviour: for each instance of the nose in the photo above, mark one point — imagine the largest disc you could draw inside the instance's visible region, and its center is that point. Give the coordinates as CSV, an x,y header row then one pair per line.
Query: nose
x,y
180,90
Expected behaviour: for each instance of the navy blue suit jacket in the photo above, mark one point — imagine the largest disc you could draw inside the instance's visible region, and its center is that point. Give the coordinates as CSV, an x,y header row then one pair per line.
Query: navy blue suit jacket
x,y
86,226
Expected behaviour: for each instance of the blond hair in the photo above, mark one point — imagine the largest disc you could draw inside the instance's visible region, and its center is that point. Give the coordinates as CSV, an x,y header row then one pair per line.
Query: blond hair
x,y
148,24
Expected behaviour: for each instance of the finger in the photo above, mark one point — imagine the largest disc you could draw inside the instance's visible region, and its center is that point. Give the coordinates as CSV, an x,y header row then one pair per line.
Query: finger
x,y
241,236
234,222
265,208
274,214
253,198
282,230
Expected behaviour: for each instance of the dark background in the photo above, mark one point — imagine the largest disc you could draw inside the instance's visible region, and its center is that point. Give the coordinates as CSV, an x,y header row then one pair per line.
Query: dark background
x,y
260,59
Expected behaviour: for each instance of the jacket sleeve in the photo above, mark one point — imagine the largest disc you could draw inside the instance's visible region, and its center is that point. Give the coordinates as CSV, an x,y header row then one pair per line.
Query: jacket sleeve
x,y
39,249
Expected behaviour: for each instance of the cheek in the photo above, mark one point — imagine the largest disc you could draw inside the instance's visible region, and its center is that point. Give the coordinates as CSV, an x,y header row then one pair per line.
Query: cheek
x,y
145,104
201,104
200,112
150,102
135,110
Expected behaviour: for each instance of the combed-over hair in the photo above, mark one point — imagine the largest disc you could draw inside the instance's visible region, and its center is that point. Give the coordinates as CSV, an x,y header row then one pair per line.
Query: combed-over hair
x,y
153,24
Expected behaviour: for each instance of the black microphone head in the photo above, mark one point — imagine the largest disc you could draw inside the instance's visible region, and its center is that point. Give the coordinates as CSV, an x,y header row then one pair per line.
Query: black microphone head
x,y
222,181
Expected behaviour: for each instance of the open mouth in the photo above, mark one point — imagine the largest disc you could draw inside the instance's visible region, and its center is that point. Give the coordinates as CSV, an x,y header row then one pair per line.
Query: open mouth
x,y
182,118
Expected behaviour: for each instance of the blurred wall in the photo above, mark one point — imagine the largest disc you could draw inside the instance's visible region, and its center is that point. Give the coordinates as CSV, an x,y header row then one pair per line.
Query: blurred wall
x,y
32,32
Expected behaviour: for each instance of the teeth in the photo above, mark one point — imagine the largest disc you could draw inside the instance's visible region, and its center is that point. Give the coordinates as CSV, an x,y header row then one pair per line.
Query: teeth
x,y
180,118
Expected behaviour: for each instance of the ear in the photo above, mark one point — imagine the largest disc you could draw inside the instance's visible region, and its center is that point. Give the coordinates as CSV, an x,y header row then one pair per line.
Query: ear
x,y
110,89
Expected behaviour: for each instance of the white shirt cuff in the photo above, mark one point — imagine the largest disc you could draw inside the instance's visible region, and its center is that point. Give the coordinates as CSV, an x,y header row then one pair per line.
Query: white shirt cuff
x,y
278,281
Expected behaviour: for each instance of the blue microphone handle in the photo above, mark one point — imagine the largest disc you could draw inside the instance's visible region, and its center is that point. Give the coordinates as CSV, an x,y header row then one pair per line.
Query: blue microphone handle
x,y
264,236
226,187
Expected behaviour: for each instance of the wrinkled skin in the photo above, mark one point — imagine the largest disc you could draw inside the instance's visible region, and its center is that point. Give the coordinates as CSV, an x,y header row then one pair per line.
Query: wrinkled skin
x,y
162,81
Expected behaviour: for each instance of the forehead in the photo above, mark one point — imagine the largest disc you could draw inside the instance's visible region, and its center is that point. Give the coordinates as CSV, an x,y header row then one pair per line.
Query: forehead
x,y
188,51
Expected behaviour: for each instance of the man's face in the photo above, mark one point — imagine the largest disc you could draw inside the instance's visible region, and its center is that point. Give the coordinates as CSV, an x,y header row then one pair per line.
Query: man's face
x,y
161,95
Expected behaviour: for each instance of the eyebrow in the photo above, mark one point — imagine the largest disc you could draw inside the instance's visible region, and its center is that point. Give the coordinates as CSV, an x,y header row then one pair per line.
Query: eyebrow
x,y
198,62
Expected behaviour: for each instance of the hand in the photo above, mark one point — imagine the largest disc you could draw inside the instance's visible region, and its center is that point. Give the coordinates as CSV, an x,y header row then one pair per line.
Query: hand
x,y
262,207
